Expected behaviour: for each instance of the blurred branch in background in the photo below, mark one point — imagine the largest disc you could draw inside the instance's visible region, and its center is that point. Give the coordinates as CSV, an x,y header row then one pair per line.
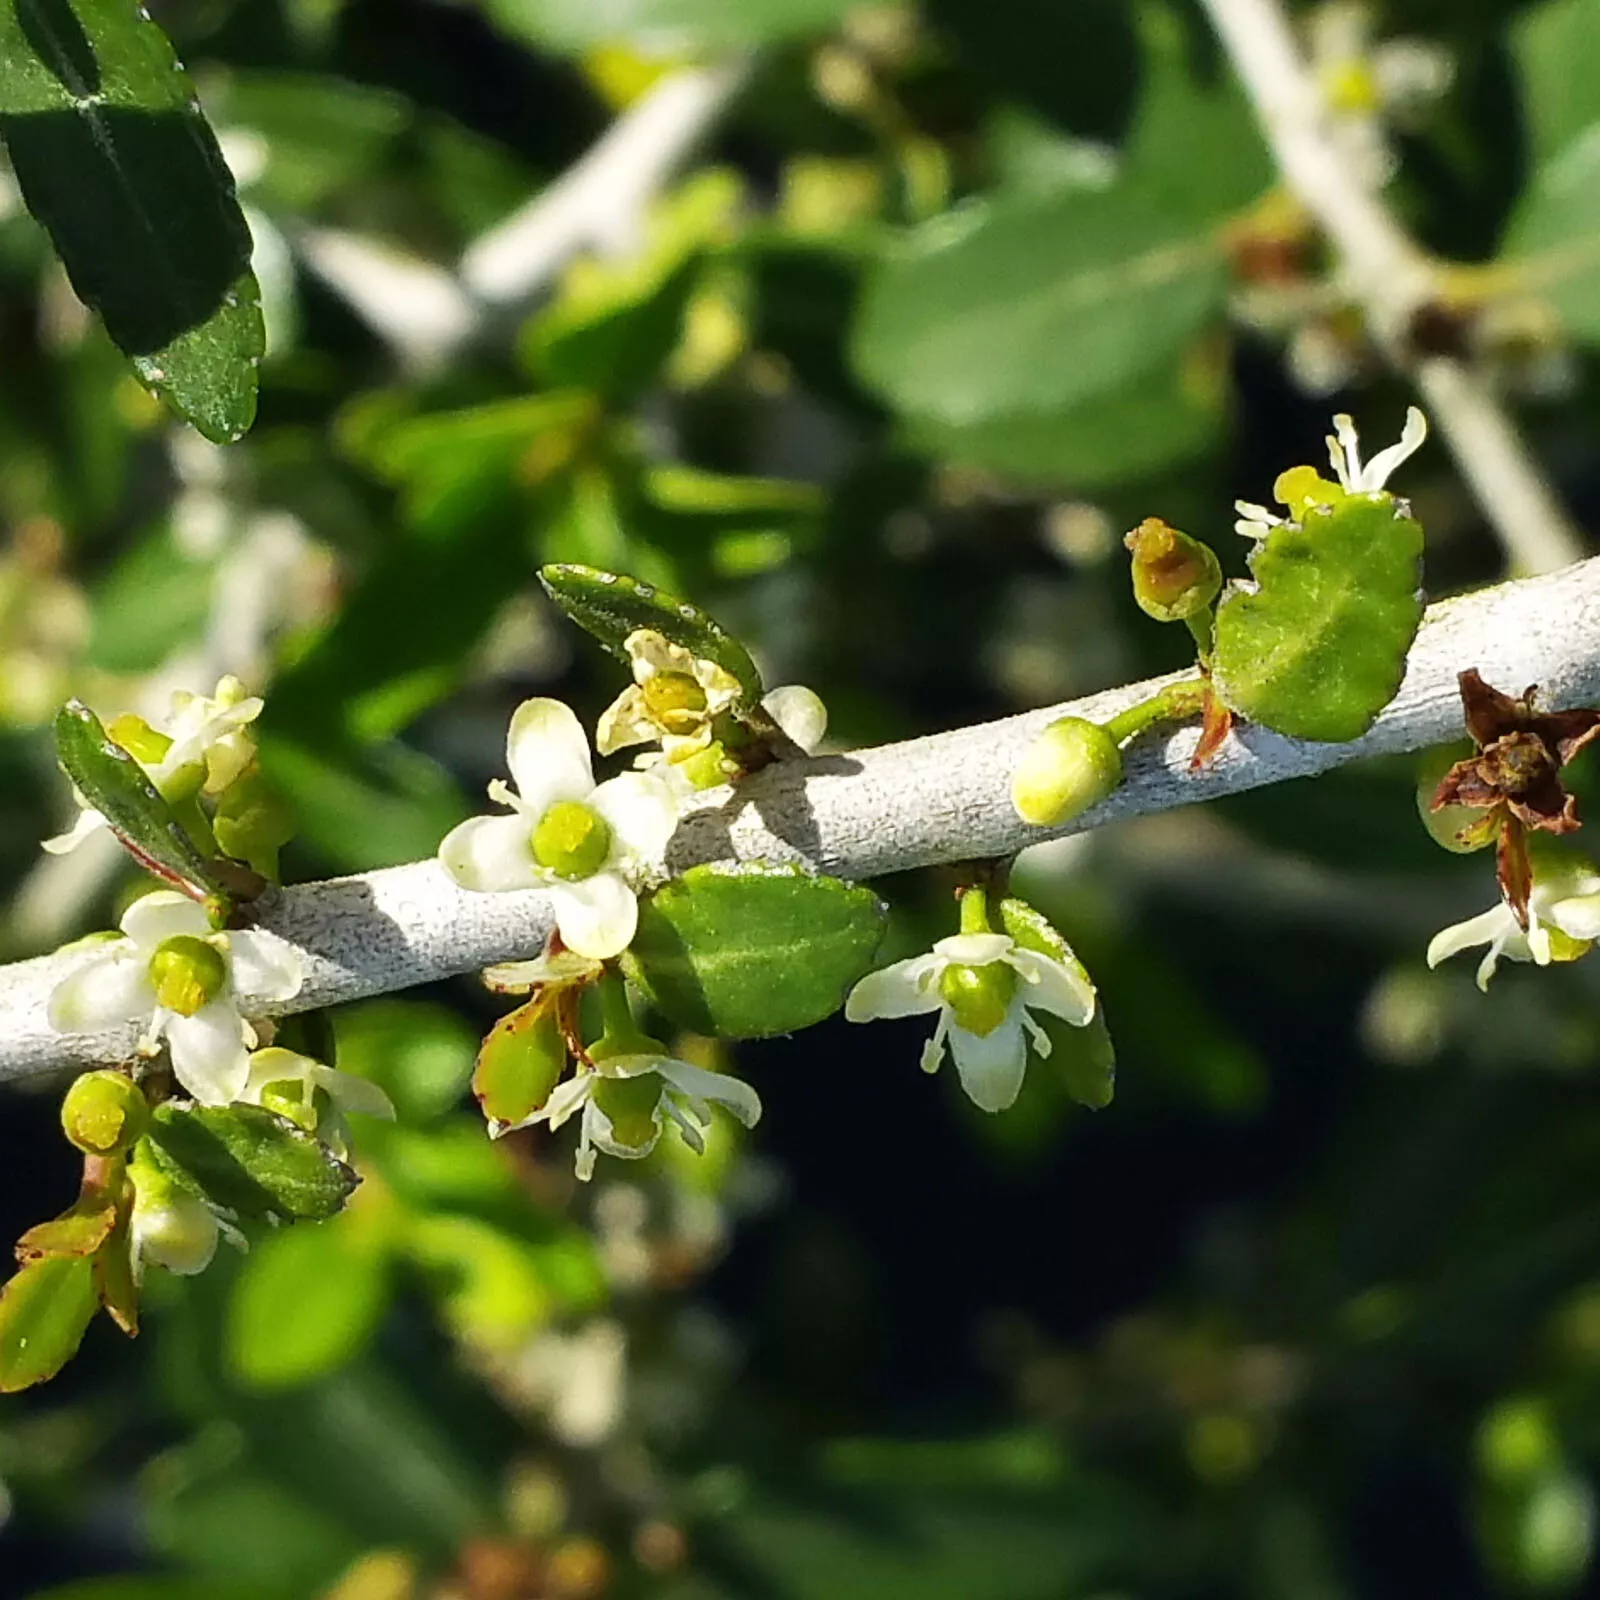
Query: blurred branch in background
x,y
940,799
1394,282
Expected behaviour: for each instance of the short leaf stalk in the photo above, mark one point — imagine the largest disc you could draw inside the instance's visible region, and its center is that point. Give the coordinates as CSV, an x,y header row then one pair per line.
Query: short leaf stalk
x,y
1177,702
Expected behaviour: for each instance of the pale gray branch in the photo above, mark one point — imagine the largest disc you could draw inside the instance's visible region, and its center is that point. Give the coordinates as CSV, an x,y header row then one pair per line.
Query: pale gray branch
x,y
939,799
1391,279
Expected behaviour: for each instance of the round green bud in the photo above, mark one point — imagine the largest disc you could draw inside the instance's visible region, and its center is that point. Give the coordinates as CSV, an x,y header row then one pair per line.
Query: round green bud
x,y
1458,829
104,1114
1174,576
1069,767
521,1061
676,701
978,997
631,1104
187,973
572,840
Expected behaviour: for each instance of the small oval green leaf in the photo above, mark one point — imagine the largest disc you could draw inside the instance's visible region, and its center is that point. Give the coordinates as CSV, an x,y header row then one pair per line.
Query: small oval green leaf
x,y
79,1231
250,1161
44,1310
115,158
611,606
120,789
748,952
1319,649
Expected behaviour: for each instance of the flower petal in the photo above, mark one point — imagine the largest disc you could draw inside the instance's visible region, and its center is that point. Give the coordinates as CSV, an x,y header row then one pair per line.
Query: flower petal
x,y
264,967
1375,475
991,1065
642,811
595,916
1064,991
905,989
626,721
88,821
208,1054
716,1087
351,1092
563,967
1578,916
567,1097
1459,936
975,949
164,914
548,754
114,986
491,854
799,711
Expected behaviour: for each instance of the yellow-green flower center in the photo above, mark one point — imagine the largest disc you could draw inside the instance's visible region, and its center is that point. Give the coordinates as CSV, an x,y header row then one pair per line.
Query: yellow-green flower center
x,y
187,973
676,701
978,997
572,840
631,1104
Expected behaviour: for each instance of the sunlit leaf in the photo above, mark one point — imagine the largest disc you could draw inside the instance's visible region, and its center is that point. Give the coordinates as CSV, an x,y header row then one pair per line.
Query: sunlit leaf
x,y
44,1311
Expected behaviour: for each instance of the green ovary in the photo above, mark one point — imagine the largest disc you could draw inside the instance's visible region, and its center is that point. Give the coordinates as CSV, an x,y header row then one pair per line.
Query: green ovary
x,y
187,973
978,997
571,840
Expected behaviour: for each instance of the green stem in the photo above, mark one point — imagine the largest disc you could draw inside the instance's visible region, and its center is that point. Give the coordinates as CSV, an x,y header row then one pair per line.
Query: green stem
x,y
975,910
616,1015
1177,702
1203,625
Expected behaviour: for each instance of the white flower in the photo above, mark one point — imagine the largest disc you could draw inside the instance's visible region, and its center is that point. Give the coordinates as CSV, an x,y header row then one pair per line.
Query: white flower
x,y
348,1092
1563,919
185,984
629,1122
1344,451
578,841
204,744
674,697
983,985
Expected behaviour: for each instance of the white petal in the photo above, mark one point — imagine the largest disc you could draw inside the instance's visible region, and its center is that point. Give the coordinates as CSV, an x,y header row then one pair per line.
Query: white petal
x,y
642,812
1578,916
350,1092
114,986
88,821
164,914
491,854
626,721
1537,939
1459,936
548,754
263,966
564,967
799,711
991,1065
716,1087
595,916
974,949
208,1053
1377,471
1064,991
905,989
568,1096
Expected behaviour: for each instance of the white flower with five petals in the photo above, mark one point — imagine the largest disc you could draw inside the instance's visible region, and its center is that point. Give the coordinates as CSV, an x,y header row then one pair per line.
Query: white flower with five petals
x,y
626,1100
186,984
583,843
983,985
1563,920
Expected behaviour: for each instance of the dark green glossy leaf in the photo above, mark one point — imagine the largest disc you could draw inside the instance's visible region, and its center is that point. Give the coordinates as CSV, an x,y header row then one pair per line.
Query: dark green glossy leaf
x,y
251,1161
748,952
120,789
1318,650
44,1310
611,606
116,160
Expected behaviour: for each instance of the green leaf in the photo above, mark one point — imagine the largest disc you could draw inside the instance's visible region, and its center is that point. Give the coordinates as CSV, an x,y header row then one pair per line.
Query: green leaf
x,y
745,952
1318,651
306,1300
44,1310
1552,244
1557,49
116,160
251,1161
1034,303
611,606
420,1054
155,598
78,1231
578,25
120,789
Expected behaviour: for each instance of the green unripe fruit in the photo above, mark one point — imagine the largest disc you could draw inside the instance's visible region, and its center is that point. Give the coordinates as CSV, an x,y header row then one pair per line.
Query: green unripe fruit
x,y
520,1063
631,1104
187,973
1071,766
1459,829
1174,577
978,997
572,840
104,1114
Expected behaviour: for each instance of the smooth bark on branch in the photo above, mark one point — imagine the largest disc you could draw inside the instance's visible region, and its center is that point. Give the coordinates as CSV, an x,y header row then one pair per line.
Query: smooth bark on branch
x,y
938,799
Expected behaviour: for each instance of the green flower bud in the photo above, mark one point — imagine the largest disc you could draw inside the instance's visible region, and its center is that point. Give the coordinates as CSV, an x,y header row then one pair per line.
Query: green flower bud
x,y
979,997
252,823
631,1105
104,1114
676,701
169,1226
1071,766
1174,576
188,973
571,840
710,767
520,1062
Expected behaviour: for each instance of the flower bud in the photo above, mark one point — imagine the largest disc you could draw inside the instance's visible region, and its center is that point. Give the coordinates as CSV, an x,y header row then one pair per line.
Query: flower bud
x,y
1174,576
104,1114
572,840
1069,767
169,1226
631,1104
520,1062
978,996
187,973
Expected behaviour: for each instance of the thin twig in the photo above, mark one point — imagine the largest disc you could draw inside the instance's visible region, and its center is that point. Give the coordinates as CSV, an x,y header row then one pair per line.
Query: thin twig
x,y
1392,280
939,799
